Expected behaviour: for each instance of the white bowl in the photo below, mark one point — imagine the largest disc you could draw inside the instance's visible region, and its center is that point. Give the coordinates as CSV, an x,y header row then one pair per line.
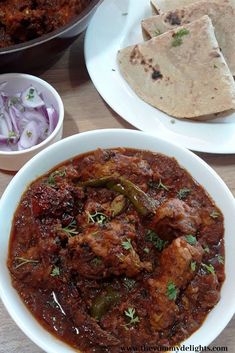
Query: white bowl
x,y
14,160
75,145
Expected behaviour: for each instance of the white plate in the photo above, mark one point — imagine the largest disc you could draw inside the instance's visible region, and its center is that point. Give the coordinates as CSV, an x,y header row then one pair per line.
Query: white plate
x,y
115,25
67,148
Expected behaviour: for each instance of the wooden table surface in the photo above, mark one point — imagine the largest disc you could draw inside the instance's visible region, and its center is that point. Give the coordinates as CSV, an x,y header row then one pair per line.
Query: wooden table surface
x,y
85,110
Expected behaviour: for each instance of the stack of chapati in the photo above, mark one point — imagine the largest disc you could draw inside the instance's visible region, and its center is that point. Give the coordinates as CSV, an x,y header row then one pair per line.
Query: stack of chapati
x,y
186,67
160,6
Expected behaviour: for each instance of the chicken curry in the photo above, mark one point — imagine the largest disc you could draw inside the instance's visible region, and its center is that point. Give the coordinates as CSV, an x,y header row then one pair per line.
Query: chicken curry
x,y
118,247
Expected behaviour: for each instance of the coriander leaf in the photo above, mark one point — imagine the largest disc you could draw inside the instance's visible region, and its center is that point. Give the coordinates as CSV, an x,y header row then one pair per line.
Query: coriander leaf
x,y
206,249
127,244
157,185
71,229
209,268
30,95
14,101
130,313
97,217
193,265
183,193
172,291
55,272
11,134
51,179
177,37
220,259
162,186
157,242
28,133
190,239
129,283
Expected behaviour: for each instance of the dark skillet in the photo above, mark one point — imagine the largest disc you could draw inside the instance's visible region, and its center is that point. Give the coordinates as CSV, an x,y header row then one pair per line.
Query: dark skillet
x,y
46,49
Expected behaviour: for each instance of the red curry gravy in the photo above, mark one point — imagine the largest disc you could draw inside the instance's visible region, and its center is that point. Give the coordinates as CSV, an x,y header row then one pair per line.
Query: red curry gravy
x,y
23,20
118,248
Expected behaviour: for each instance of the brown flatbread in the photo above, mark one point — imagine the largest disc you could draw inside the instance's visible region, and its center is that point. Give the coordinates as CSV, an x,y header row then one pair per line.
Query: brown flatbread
x,y
159,6
221,13
181,72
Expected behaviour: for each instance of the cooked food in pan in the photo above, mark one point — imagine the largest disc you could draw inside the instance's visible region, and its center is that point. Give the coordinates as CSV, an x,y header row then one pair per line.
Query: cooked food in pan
x,y
118,247
23,20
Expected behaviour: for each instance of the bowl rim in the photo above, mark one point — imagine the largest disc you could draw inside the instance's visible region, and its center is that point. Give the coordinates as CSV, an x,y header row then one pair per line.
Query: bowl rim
x,y
51,35
181,153
50,88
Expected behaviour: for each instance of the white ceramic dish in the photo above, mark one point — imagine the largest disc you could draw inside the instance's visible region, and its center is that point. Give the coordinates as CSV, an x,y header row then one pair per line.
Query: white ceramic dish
x,y
14,160
77,144
115,25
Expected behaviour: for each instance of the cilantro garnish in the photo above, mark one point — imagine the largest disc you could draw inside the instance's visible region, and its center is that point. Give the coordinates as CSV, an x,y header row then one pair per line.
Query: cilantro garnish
x,y
177,37
157,242
172,291
130,313
97,217
183,193
127,244
55,272
190,239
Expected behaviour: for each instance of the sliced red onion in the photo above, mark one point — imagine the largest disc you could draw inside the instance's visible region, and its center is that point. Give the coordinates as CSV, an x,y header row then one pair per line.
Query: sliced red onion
x,y
53,118
18,113
4,129
7,119
6,140
41,121
1,101
43,111
3,139
29,136
25,120
14,120
31,99
15,102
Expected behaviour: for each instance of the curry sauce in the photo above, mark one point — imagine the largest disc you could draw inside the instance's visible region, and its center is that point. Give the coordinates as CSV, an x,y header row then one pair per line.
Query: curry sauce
x,y
118,248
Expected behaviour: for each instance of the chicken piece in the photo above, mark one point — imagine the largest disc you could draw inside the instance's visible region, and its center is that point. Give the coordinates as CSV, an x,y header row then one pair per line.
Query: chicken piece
x,y
176,272
46,200
64,200
109,163
114,247
204,291
173,218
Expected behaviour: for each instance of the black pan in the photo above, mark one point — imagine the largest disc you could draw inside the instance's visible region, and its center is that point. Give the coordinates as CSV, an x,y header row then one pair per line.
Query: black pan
x,y
46,49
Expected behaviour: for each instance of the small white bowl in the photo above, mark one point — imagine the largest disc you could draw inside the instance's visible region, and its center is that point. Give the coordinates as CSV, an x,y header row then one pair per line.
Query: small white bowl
x,y
16,82
74,145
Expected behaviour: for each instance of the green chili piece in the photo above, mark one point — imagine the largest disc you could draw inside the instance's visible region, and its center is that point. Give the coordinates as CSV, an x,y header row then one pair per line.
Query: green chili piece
x,y
103,302
144,204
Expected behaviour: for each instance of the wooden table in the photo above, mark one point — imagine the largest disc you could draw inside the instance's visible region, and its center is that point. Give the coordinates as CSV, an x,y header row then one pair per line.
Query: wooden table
x,y
85,110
